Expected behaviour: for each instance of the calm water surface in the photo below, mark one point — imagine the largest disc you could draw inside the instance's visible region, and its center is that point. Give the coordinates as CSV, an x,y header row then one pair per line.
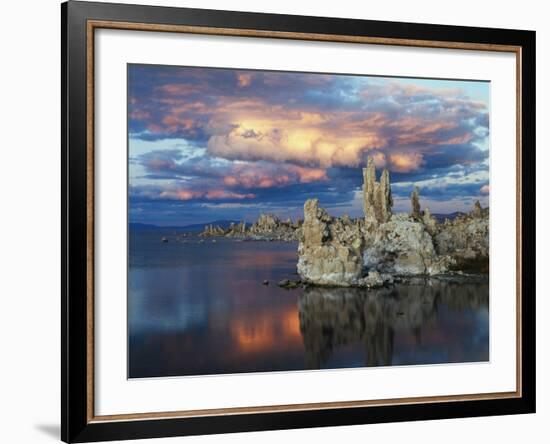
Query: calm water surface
x,y
200,308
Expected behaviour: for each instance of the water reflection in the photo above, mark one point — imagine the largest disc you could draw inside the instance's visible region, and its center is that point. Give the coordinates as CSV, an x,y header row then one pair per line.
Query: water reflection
x,y
415,313
196,309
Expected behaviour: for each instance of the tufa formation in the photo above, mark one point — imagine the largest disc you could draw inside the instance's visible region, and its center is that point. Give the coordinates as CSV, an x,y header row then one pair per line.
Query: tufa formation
x,y
267,227
374,251
377,199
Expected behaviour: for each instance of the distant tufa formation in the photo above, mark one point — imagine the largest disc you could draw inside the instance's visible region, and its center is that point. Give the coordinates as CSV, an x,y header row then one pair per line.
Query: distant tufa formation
x,y
267,227
375,250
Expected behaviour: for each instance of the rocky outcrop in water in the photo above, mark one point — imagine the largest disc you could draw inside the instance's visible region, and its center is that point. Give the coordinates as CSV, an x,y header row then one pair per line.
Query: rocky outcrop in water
x,y
371,252
213,230
235,230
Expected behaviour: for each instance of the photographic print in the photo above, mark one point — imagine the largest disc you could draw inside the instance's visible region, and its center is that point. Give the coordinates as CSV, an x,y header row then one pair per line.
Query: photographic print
x,y
266,218
285,221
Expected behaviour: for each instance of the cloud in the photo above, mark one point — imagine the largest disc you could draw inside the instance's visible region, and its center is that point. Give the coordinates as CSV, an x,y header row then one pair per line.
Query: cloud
x,y
170,174
244,79
171,163
405,162
314,119
273,139
177,89
263,176
484,189
203,194
463,183
293,140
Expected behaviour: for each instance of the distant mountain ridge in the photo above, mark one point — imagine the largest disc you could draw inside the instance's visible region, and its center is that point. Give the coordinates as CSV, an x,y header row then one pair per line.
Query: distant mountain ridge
x,y
138,226
224,223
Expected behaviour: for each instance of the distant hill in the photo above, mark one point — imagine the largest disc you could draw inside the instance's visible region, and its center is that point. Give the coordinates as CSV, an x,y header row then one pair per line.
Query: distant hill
x,y
136,226
200,227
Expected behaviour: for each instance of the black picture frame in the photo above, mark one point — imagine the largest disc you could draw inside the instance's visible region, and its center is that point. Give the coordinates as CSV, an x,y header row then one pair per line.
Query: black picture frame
x,y
76,326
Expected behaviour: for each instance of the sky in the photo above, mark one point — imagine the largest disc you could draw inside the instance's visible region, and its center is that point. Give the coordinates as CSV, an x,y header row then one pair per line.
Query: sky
x,y
209,144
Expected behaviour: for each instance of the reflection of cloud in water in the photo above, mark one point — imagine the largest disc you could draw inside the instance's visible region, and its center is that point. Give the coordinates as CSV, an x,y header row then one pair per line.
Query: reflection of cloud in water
x,y
389,318
265,331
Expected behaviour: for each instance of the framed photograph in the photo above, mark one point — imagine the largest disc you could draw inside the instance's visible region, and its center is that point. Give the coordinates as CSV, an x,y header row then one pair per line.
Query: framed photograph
x,y
275,221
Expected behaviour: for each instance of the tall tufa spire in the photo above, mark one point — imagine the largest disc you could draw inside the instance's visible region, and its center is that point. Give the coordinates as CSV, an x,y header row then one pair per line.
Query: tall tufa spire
x,y
377,197
386,199
477,211
415,203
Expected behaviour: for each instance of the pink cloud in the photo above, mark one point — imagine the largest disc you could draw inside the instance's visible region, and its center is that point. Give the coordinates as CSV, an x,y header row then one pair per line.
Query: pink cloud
x,y
140,115
244,79
178,89
250,175
405,162
174,123
206,194
249,127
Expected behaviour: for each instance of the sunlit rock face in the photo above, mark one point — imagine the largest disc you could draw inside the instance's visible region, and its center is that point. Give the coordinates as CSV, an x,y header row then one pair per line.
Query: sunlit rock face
x,y
329,250
344,252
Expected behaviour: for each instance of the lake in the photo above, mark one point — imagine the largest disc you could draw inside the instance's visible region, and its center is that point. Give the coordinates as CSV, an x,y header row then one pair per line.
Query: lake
x,y
199,308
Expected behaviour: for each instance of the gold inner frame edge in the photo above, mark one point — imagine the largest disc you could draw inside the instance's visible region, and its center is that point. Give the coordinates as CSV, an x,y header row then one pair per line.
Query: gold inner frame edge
x,y
98,24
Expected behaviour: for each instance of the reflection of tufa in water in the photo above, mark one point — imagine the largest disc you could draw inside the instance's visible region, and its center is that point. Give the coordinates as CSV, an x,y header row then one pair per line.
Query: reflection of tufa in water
x,y
331,318
339,251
